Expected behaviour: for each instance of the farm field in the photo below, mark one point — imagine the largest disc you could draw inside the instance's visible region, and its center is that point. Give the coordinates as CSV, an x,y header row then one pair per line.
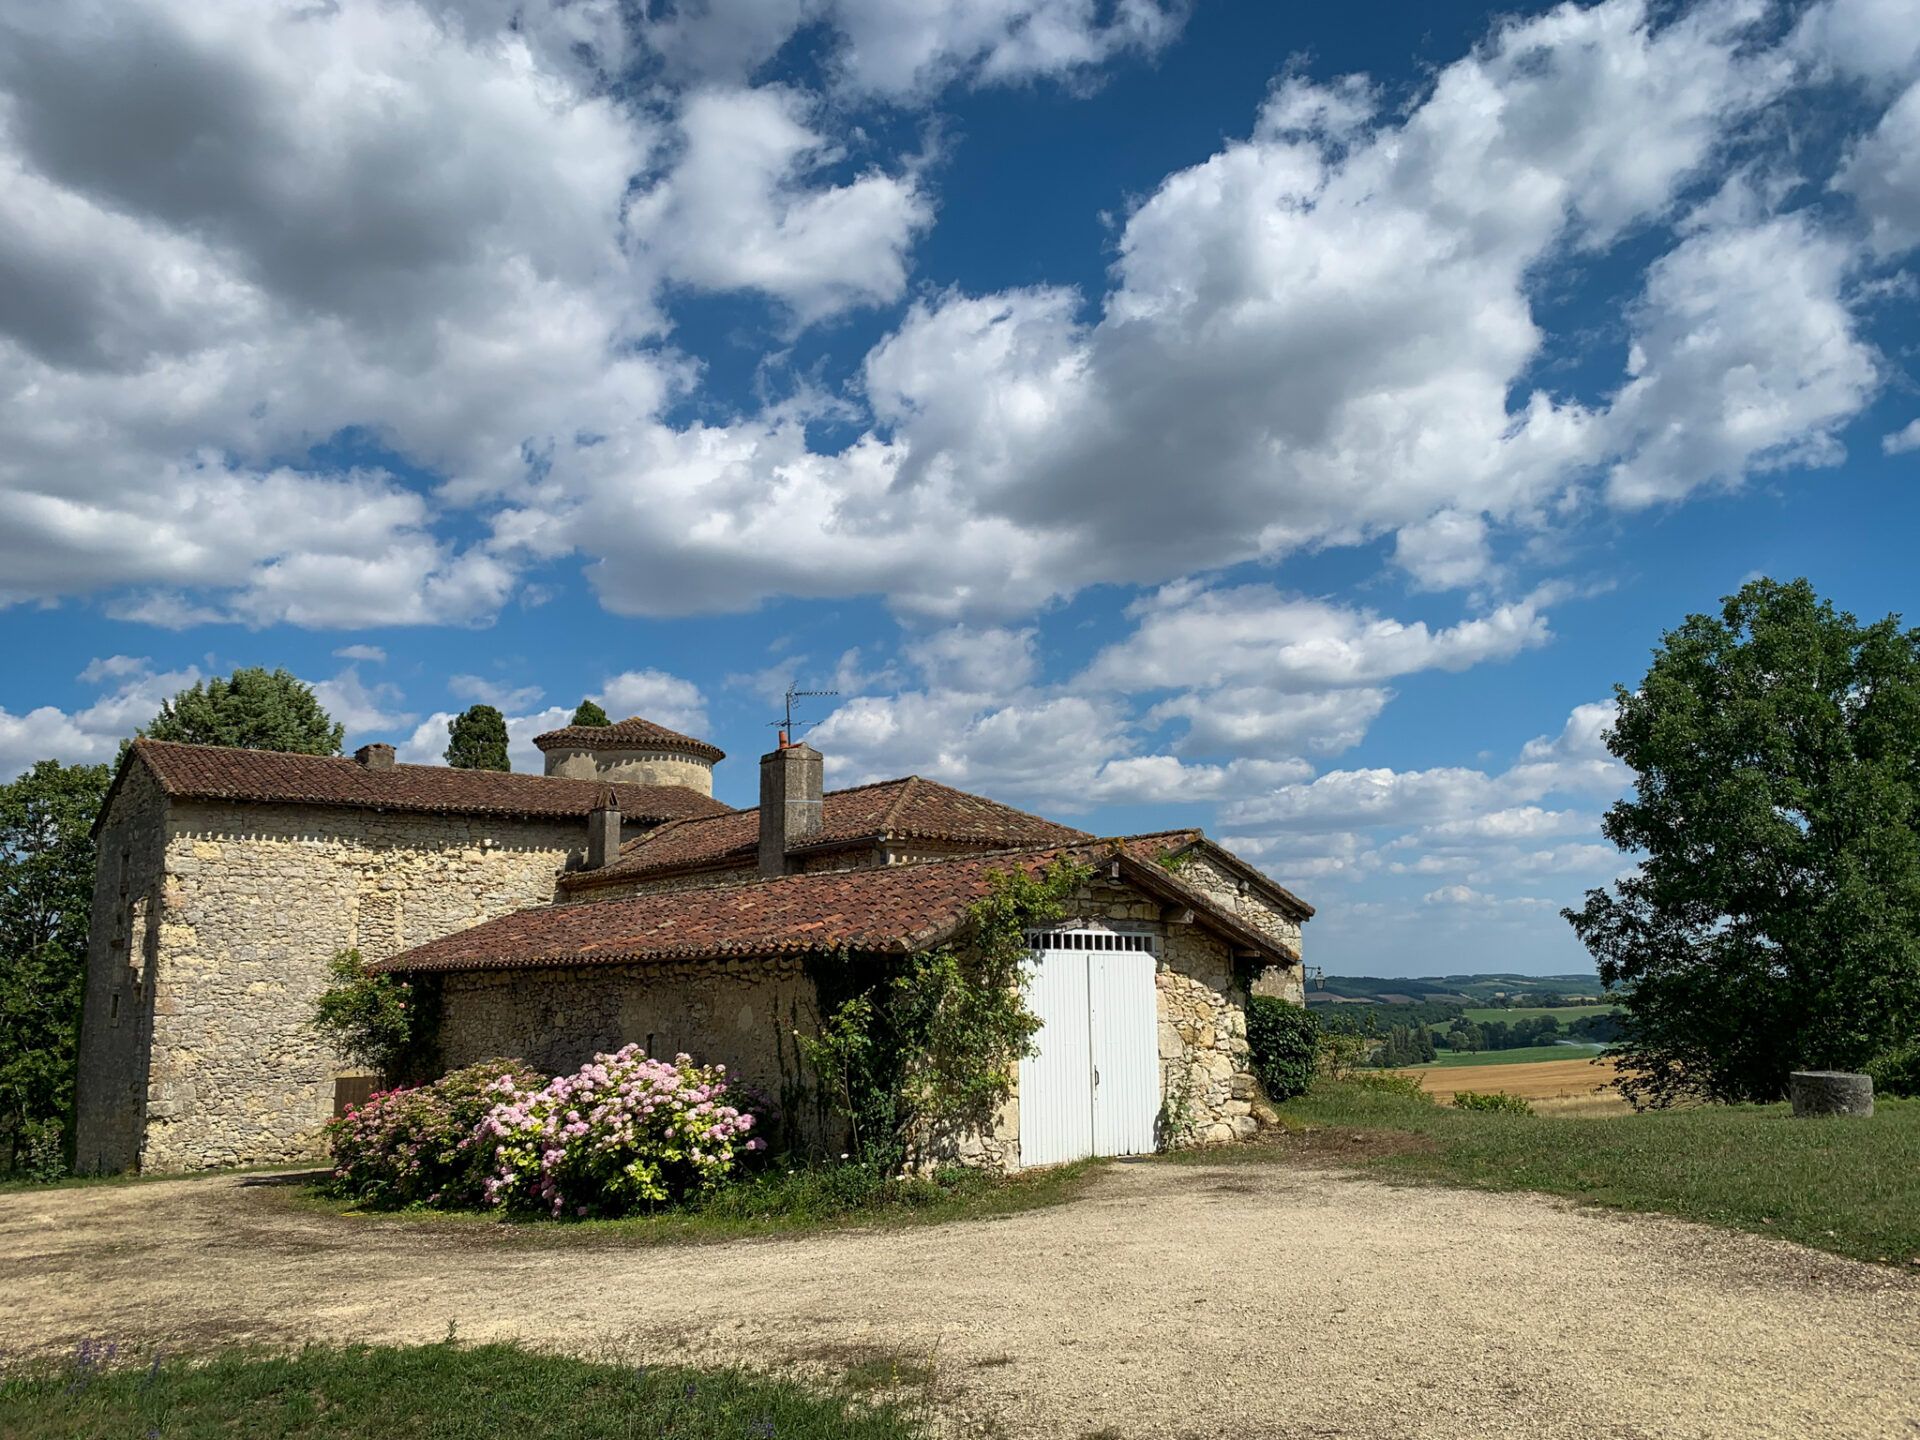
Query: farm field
x,y
1540,1080
1525,1055
1565,1014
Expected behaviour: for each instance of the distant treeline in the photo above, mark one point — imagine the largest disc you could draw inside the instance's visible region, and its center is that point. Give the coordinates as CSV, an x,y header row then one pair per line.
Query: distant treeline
x,y
1412,1034
1497,989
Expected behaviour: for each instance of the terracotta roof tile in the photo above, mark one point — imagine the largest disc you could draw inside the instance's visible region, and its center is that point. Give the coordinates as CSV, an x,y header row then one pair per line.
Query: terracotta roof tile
x,y
909,809
631,732
216,772
885,909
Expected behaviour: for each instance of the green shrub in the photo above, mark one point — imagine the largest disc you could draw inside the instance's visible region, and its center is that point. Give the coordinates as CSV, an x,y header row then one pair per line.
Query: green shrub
x,y
1897,1071
40,1152
1284,1039
1497,1102
1391,1082
366,1017
420,1146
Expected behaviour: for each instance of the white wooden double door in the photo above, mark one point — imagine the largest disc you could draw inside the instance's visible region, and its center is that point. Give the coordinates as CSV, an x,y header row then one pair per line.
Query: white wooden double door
x,y
1093,1088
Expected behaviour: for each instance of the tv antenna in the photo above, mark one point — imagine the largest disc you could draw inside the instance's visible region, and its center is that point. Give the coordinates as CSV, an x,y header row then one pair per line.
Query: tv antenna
x,y
786,725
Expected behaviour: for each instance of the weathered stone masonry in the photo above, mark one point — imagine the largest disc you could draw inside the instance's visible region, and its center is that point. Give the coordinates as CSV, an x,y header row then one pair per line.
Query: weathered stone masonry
x,y
742,1013
244,913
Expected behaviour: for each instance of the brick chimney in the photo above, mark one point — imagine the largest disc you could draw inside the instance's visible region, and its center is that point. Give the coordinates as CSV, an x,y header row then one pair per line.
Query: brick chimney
x,y
374,757
790,804
603,832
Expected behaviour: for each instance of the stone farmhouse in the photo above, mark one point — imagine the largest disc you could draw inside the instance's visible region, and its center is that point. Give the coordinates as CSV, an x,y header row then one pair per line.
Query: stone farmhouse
x,y
613,900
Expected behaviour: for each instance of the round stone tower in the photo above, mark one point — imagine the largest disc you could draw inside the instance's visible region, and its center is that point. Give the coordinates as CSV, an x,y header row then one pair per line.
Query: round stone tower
x,y
633,752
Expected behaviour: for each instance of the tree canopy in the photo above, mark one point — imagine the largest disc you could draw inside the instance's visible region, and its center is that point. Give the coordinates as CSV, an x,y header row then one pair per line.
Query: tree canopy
x,y
253,710
46,901
477,740
588,713
1773,923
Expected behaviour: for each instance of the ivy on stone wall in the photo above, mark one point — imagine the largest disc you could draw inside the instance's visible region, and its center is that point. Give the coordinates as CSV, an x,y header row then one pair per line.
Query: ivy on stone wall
x,y
919,1049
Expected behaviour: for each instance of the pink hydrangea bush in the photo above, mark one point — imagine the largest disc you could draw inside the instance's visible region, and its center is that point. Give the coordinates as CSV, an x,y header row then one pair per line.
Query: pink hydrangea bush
x,y
425,1145
622,1133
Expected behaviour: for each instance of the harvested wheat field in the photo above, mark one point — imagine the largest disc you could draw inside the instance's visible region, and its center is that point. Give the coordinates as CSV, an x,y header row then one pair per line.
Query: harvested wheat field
x,y
1552,1080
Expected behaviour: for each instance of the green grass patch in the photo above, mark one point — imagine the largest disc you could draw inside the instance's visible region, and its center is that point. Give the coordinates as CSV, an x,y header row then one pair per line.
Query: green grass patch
x,y
1525,1055
1850,1185
777,1201
1566,1014
426,1392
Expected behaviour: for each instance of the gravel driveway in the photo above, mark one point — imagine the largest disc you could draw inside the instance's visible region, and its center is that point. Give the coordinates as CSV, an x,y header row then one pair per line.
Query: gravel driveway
x,y
1170,1301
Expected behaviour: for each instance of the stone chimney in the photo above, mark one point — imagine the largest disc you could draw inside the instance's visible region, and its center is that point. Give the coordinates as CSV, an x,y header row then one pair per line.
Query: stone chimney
x,y
790,804
603,832
374,757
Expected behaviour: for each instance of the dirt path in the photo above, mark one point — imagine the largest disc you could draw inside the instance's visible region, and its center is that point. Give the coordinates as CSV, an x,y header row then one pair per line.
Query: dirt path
x,y
1172,1301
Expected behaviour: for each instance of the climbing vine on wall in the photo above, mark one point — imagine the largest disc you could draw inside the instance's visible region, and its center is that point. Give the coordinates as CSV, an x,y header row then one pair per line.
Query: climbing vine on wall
x,y
380,1021
915,1049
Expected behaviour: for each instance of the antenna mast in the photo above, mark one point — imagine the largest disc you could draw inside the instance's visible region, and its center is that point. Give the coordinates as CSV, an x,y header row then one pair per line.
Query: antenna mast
x,y
786,725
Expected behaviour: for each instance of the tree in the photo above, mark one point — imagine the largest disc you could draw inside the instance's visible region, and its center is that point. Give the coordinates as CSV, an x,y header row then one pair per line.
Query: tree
x,y
477,740
370,1019
46,899
1773,923
588,713
254,710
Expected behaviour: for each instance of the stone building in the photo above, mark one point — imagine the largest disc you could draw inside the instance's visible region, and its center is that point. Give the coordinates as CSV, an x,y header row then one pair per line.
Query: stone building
x,y
612,900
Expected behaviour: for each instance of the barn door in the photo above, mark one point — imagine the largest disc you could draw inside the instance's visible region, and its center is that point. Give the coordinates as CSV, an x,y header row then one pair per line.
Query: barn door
x,y
1126,1051
1093,1088
1056,1084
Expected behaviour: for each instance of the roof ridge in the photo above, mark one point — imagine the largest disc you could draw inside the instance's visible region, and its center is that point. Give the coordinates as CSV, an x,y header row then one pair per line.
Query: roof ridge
x,y
892,812
873,785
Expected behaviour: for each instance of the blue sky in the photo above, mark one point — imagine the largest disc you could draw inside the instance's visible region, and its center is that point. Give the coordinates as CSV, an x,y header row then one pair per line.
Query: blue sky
x,y
1242,415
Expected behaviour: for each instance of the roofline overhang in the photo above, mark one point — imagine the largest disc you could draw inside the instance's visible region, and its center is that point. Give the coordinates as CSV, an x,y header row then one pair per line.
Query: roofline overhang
x,y
1253,875
1149,877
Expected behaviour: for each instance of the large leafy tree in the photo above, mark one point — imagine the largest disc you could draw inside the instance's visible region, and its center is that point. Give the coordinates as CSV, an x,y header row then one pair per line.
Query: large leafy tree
x,y
477,740
253,710
46,896
588,713
1773,923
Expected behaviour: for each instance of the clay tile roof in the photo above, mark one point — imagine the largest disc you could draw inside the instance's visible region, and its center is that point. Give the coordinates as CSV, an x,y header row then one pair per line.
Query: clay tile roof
x,y
216,772
631,733
885,909
909,809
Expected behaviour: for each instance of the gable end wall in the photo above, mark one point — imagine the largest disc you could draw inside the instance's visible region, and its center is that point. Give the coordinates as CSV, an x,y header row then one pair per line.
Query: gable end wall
x,y
253,901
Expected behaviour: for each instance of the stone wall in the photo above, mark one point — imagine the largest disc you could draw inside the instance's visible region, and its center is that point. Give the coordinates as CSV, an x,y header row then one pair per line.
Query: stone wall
x,y
1240,899
1206,1069
255,902
739,1013
633,767
123,949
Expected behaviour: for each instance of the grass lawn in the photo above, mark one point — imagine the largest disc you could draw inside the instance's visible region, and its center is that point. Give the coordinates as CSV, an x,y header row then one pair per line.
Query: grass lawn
x,y
1526,1055
1564,1013
426,1392
774,1202
1841,1184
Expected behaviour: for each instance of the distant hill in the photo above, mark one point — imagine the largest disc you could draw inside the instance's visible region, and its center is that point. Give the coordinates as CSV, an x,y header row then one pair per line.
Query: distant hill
x,y
1484,989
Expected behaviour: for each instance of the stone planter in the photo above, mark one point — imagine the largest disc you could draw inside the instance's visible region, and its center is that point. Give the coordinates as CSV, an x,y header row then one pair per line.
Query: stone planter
x,y
1830,1092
